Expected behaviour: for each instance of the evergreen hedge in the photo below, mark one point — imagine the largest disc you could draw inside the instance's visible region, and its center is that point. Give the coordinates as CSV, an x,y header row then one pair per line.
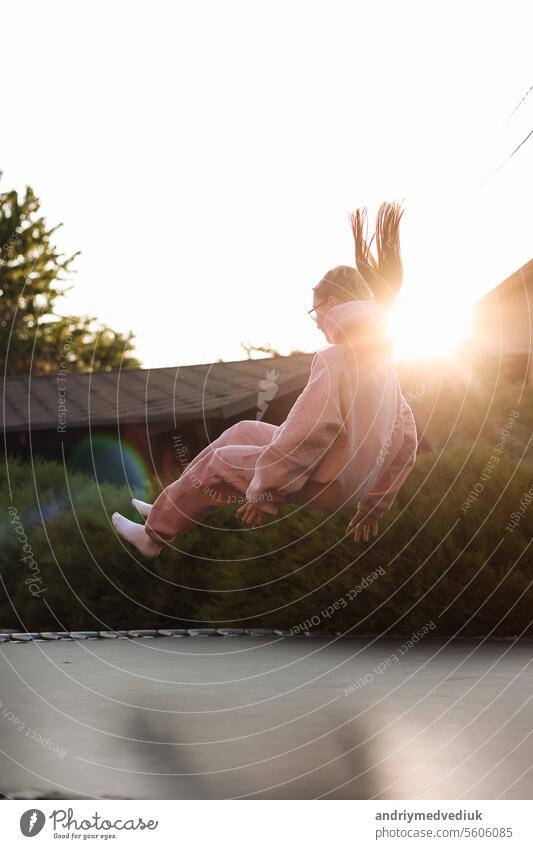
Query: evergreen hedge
x,y
465,569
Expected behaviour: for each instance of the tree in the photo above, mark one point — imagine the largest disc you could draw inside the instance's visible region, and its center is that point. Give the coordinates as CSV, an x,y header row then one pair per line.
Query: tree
x,y
32,336
267,349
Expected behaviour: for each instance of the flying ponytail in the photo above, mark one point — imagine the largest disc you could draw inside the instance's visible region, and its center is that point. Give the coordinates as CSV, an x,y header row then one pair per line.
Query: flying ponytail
x,y
383,275
379,278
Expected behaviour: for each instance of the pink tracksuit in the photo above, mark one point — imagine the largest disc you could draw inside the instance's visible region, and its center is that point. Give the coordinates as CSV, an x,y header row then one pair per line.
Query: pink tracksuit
x,y
349,439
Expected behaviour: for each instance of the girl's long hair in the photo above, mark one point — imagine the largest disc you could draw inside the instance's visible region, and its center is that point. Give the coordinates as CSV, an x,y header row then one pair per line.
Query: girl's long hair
x,y
378,277
384,275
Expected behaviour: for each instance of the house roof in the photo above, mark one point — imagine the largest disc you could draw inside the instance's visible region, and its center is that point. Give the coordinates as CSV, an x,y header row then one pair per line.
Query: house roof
x,y
521,278
179,393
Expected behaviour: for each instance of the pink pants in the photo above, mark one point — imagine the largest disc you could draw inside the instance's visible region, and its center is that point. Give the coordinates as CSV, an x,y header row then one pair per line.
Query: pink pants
x,y
219,475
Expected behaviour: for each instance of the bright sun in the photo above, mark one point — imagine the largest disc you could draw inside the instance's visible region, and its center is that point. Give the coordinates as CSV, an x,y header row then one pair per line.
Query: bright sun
x,y
425,329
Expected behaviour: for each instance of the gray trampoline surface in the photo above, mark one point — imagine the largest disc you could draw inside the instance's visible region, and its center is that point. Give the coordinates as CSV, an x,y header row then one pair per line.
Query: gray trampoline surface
x,y
266,718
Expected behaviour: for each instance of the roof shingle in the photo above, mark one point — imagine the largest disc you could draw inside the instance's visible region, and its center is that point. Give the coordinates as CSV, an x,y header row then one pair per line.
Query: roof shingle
x,y
179,394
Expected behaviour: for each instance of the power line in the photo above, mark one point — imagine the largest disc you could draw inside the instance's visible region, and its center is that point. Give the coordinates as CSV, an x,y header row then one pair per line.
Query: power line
x,y
508,158
517,107
499,168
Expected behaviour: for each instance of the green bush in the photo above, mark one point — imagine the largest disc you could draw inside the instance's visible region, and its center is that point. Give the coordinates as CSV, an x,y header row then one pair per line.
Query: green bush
x,y
435,560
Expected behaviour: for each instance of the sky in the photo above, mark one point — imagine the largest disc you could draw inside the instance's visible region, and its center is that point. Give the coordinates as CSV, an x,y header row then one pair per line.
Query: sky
x,y
204,157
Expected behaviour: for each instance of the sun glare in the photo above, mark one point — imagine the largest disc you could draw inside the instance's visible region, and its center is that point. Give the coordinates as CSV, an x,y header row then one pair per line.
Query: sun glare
x,y
422,329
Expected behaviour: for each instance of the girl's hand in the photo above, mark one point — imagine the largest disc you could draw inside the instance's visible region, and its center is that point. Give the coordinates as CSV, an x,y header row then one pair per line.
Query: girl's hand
x,y
363,523
250,515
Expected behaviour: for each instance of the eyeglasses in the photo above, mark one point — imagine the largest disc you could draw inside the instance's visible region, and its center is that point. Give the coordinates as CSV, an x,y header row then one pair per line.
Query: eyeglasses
x,y
314,309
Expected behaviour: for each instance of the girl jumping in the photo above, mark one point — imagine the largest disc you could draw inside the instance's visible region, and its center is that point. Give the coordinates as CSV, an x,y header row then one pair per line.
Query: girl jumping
x,y
349,439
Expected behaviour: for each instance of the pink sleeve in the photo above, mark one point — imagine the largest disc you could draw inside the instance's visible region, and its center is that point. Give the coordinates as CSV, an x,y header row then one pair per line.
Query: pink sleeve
x,y
303,439
386,487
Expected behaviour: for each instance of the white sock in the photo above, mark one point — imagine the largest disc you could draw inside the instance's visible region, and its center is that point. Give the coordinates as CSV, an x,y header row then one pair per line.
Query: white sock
x,y
136,534
142,506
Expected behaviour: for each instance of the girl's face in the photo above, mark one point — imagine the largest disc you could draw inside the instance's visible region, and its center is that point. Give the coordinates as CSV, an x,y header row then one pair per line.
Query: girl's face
x,y
321,307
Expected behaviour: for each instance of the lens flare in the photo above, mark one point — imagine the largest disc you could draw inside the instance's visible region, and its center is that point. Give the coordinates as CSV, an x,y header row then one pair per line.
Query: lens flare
x,y
110,461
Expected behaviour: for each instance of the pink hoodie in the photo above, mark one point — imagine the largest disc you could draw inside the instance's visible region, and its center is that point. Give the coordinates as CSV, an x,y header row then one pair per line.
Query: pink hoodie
x,y
350,438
